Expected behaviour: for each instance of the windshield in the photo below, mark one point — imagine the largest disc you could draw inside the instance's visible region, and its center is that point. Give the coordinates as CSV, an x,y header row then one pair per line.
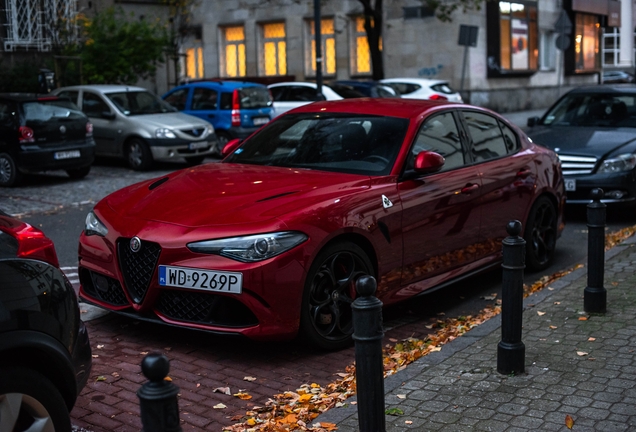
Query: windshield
x,y
347,143
602,109
139,102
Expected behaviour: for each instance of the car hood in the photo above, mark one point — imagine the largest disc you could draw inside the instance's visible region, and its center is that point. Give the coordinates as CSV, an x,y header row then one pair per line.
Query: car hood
x,y
173,120
224,194
582,140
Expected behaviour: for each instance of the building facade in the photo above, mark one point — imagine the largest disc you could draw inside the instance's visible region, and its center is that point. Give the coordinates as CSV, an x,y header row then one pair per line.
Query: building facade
x,y
525,53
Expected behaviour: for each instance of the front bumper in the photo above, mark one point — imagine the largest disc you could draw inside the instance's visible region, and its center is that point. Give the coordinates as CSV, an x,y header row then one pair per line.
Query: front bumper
x,y
619,188
169,149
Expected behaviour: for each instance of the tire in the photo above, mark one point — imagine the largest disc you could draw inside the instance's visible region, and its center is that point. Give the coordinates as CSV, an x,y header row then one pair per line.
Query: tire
x,y
540,234
35,398
138,155
78,173
194,160
326,319
9,173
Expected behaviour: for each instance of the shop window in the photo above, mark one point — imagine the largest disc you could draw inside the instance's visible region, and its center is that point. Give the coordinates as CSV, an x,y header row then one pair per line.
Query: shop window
x,y
273,50
233,52
194,63
513,39
587,38
327,47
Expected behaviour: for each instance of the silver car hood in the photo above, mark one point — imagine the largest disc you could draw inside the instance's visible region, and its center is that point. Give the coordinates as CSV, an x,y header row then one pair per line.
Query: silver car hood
x,y
172,120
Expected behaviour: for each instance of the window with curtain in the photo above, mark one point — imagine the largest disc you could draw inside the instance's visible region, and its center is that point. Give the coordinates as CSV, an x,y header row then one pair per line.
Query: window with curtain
x,y
587,36
518,23
233,52
361,55
327,46
273,50
194,63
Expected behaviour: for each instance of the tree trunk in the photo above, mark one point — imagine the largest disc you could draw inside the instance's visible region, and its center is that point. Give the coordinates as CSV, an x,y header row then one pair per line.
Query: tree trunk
x,y
373,28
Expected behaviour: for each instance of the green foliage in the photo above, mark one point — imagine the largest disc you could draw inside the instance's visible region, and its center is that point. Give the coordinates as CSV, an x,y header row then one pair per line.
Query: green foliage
x,y
120,49
21,77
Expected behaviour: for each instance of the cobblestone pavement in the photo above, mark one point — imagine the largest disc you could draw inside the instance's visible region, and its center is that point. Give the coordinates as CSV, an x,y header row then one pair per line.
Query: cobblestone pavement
x,y
577,364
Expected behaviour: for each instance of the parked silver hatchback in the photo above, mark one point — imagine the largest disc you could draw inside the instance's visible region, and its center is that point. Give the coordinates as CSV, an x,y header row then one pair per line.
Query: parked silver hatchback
x,y
135,124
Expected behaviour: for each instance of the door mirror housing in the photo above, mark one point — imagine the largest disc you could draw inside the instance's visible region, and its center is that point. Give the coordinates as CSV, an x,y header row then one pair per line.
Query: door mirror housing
x,y
428,162
231,146
533,121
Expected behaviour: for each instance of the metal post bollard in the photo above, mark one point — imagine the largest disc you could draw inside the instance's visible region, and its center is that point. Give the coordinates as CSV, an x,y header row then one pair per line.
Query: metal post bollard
x,y
368,334
158,398
511,351
595,295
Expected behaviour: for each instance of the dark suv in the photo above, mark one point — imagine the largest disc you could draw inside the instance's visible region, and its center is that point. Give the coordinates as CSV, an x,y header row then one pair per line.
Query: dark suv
x,y
44,132
45,356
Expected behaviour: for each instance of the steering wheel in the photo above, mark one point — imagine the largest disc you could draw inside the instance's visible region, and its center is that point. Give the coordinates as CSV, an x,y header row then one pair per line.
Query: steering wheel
x,y
376,159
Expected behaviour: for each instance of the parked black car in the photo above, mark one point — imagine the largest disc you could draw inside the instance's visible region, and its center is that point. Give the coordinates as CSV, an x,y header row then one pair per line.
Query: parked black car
x,y
43,132
45,356
593,130
366,88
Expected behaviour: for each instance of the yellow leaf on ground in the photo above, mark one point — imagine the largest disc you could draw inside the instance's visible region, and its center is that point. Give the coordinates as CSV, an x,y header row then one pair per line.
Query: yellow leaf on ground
x,y
167,379
290,419
251,422
569,421
305,398
243,396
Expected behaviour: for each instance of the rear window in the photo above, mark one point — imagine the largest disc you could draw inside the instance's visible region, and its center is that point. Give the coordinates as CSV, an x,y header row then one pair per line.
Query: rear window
x,y
49,109
346,91
443,88
249,98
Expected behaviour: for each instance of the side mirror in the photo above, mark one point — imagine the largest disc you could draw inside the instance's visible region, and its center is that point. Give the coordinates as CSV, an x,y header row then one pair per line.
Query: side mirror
x,y
533,121
108,115
231,146
428,162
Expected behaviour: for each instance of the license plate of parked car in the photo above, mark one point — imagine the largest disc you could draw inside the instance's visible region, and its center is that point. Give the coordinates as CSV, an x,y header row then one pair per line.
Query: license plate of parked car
x,y
208,280
260,120
570,185
67,154
198,145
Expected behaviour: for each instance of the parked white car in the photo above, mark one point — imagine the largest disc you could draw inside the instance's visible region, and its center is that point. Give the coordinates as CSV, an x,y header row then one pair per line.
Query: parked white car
x,y
422,88
290,95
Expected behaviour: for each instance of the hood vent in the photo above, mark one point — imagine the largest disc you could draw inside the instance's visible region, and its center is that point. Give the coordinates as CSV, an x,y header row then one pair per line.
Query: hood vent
x,y
277,196
158,183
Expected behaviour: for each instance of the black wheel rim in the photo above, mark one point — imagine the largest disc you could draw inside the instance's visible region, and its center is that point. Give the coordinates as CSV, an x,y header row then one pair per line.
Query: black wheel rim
x,y
543,235
6,170
135,154
331,293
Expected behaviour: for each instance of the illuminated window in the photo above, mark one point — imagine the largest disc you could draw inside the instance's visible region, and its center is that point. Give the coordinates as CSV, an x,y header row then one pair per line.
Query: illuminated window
x,y
233,53
194,63
361,60
587,38
273,50
328,47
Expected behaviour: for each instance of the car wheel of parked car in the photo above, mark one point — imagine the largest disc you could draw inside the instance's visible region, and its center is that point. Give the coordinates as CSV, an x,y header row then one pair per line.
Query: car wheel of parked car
x,y
29,401
79,173
138,155
194,160
9,174
329,291
540,234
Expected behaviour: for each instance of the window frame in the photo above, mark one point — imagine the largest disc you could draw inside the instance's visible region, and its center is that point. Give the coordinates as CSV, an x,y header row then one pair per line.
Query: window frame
x,y
354,48
310,50
240,62
262,50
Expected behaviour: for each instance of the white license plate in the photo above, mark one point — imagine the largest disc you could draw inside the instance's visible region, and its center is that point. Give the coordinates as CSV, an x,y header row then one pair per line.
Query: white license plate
x,y
570,185
260,120
207,280
67,154
198,145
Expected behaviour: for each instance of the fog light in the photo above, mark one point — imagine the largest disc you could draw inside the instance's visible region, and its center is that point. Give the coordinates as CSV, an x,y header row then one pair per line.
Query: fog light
x,y
615,194
100,282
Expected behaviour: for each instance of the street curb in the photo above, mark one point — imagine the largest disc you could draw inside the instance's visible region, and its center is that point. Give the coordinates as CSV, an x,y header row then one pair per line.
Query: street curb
x,y
338,415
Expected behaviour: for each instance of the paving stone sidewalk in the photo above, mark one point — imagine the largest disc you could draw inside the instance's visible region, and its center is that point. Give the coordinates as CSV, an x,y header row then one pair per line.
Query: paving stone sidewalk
x,y
577,364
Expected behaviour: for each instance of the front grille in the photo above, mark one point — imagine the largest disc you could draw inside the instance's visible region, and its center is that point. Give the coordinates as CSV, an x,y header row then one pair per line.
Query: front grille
x,y
204,308
196,132
102,288
572,165
137,267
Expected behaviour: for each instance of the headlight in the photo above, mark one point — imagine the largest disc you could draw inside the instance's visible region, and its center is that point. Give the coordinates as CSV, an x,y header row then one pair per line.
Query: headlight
x,y
210,129
624,162
94,226
164,133
250,248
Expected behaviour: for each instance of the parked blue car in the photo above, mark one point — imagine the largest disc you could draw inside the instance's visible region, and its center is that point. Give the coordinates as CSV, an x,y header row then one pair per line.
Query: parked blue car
x,y
235,108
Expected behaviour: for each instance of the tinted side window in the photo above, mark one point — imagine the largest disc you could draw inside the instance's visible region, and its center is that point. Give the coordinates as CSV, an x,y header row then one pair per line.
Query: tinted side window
x,y
487,139
71,94
226,101
204,99
440,134
511,139
405,88
93,105
178,99
5,114
302,94
278,93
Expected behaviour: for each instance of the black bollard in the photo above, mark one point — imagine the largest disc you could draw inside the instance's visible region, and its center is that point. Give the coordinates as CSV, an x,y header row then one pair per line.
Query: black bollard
x,y
158,398
511,351
595,295
368,334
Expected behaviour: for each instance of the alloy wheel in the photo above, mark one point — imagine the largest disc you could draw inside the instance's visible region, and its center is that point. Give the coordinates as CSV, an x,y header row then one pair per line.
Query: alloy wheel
x,y
22,413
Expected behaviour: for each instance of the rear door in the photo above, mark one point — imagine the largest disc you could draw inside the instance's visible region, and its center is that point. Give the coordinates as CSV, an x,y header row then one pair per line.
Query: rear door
x,y
105,130
204,104
507,175
441,215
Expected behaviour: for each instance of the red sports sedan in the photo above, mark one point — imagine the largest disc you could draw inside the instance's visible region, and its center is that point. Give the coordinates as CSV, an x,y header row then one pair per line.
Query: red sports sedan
x,y
270,241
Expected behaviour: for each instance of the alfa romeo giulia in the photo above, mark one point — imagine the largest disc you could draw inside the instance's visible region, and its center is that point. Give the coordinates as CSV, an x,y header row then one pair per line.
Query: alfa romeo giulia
x,y
270,241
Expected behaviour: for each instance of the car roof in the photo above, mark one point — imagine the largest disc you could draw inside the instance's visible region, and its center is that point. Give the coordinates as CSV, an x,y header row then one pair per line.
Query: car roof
x,y
22,97
230,85
605,88
421,81
104,88
393,107
294,83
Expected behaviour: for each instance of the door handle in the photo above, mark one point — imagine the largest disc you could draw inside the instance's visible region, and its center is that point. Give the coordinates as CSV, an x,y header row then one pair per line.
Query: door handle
x,y
469,188
523,173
